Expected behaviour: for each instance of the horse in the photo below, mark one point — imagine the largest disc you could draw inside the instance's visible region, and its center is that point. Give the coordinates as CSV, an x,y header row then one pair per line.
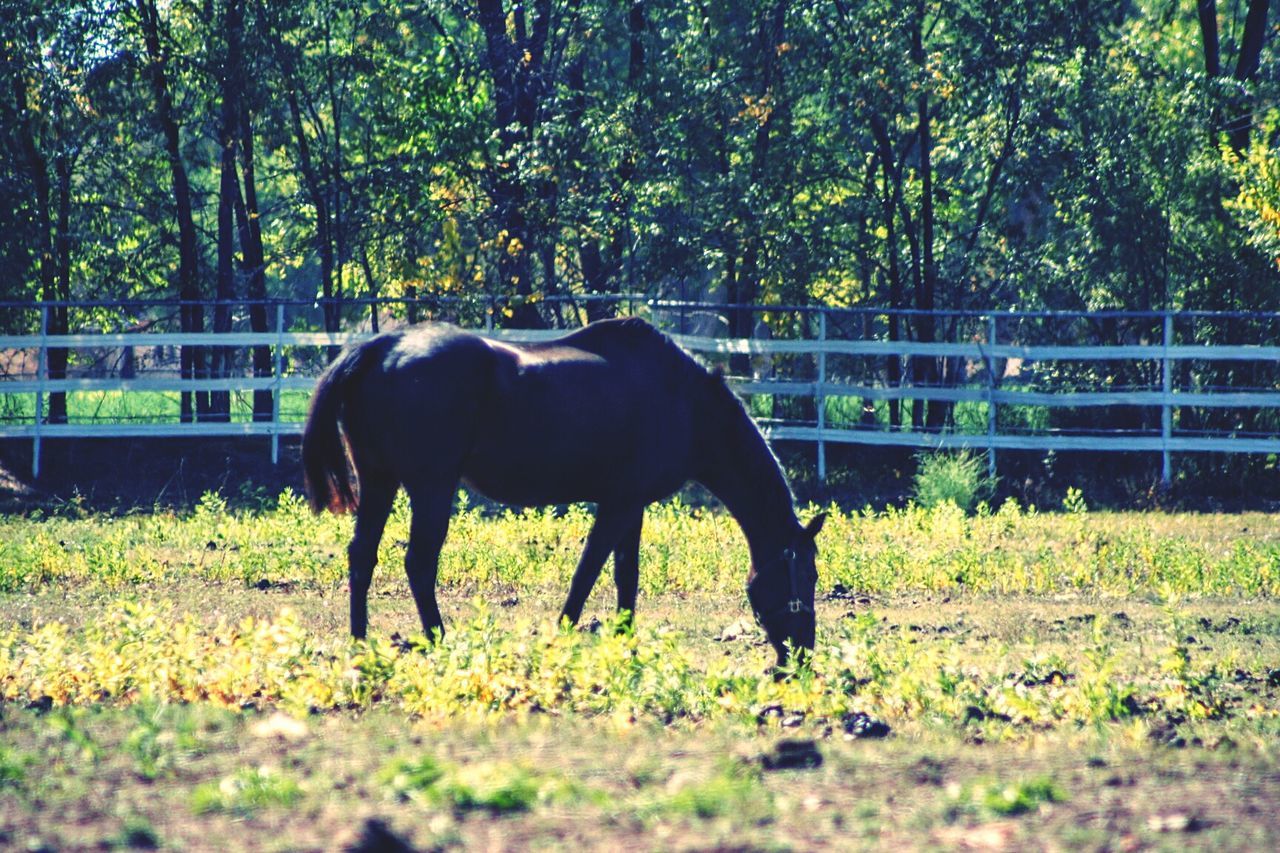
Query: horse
x,y
614,413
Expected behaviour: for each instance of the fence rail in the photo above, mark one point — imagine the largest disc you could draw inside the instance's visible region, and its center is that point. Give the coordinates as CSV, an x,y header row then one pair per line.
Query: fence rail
x,y
824,380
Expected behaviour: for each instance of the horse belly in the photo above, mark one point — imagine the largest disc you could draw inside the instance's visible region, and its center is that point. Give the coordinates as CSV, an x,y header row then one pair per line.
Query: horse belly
x,y
597,458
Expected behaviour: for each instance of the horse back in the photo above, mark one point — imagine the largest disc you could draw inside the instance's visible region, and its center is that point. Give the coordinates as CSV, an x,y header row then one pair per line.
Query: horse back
x,y
605,413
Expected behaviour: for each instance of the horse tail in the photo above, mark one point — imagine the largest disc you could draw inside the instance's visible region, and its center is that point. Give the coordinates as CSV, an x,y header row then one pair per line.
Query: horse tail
x,y
326,459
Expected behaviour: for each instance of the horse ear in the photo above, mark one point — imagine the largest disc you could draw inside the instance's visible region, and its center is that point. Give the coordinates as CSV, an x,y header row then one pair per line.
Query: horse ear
x,y
815,525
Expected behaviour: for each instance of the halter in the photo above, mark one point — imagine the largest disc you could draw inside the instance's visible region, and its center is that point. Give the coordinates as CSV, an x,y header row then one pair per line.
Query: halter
x,y
796,603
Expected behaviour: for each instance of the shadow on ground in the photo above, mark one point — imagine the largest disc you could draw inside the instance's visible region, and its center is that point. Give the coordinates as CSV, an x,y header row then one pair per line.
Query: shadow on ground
x,y
122,473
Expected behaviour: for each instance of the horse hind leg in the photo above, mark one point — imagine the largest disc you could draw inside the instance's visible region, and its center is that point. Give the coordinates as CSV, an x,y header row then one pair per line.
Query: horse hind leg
x,y
376,498
427,530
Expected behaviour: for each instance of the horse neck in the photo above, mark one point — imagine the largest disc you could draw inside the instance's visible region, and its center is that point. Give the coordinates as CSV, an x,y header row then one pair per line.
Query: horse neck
x,y
740,470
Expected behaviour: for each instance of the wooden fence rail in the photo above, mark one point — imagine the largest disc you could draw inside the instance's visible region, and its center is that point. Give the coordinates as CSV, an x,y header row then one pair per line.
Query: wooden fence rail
x,y
820,384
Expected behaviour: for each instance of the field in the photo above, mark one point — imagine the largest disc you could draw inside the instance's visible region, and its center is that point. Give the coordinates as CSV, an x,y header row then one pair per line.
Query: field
x,y
1008,680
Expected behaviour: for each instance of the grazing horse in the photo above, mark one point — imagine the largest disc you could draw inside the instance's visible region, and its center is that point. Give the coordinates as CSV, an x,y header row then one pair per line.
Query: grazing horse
x,y
614,414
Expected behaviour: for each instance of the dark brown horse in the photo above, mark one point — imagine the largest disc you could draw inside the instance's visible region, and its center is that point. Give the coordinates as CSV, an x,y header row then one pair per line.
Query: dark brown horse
x,y
613,414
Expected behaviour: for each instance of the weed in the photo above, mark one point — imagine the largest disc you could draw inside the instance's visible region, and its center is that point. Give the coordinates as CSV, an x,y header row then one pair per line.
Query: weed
x,y
412,778
957,478
734,789
67,723
246,791
1073,503
1003,799
152,747
1013,550
496,788
13,768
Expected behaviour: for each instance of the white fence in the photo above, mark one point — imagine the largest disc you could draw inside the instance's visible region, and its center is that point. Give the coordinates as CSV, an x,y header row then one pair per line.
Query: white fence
x,y
823,387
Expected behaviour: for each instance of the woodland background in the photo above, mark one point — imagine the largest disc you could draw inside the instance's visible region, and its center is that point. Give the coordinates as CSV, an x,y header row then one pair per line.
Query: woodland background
x,y
1071,155
1062,155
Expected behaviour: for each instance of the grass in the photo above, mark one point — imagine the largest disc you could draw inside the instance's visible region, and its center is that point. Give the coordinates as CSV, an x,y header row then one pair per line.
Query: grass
x,y
1075,677
116,406
1009,550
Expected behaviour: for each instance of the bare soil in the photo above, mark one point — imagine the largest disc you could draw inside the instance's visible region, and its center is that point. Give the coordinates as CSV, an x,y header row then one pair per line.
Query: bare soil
x,y
121,474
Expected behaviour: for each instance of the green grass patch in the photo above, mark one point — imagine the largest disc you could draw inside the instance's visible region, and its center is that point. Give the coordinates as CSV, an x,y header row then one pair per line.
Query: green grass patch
x,y
246,791
493,787
731,790
1005,799
1009,550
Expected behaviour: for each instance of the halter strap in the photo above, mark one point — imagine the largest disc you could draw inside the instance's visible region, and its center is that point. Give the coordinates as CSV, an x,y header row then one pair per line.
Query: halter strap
x,y
795,604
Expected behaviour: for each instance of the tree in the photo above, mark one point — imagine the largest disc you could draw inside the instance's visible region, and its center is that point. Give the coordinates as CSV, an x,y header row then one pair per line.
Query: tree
x,y
158,61
45,61
1236,100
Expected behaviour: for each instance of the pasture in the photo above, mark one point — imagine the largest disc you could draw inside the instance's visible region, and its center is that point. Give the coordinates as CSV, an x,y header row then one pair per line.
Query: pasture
x,y
1009,679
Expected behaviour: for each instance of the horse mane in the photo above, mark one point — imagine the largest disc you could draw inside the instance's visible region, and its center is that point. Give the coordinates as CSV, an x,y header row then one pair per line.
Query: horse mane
x,y
733,422
740,431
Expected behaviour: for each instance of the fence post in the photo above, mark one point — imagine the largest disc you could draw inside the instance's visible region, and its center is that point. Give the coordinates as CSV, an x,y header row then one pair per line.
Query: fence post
x,y
991,397
819,395
277,385
1166,403
42,373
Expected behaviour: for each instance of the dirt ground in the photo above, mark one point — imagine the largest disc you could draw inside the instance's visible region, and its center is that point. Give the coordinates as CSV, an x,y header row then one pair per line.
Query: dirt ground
x,y
119,474
142,776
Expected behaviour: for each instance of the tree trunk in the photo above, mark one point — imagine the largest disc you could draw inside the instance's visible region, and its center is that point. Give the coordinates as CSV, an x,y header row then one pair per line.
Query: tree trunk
x,y
926,295
894,377
229,192
250,221
312,180
191,313
59,315
371,284
517,68
771,33
602,264
1239,106
1207,11
37,167
319,200
337,226
1240,124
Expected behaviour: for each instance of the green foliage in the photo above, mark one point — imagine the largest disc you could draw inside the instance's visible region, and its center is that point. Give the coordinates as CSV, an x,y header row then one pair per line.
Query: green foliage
x,y
413,777
402,150
956,478
1073,503
489,669
145,652
1256,206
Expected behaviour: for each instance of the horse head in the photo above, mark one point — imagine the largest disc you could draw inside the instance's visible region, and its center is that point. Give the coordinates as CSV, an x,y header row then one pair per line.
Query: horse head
x,y
781,593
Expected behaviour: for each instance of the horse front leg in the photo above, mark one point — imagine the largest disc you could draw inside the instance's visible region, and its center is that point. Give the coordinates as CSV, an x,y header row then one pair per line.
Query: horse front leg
x,y
626,571
376,498
611,523
427,531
